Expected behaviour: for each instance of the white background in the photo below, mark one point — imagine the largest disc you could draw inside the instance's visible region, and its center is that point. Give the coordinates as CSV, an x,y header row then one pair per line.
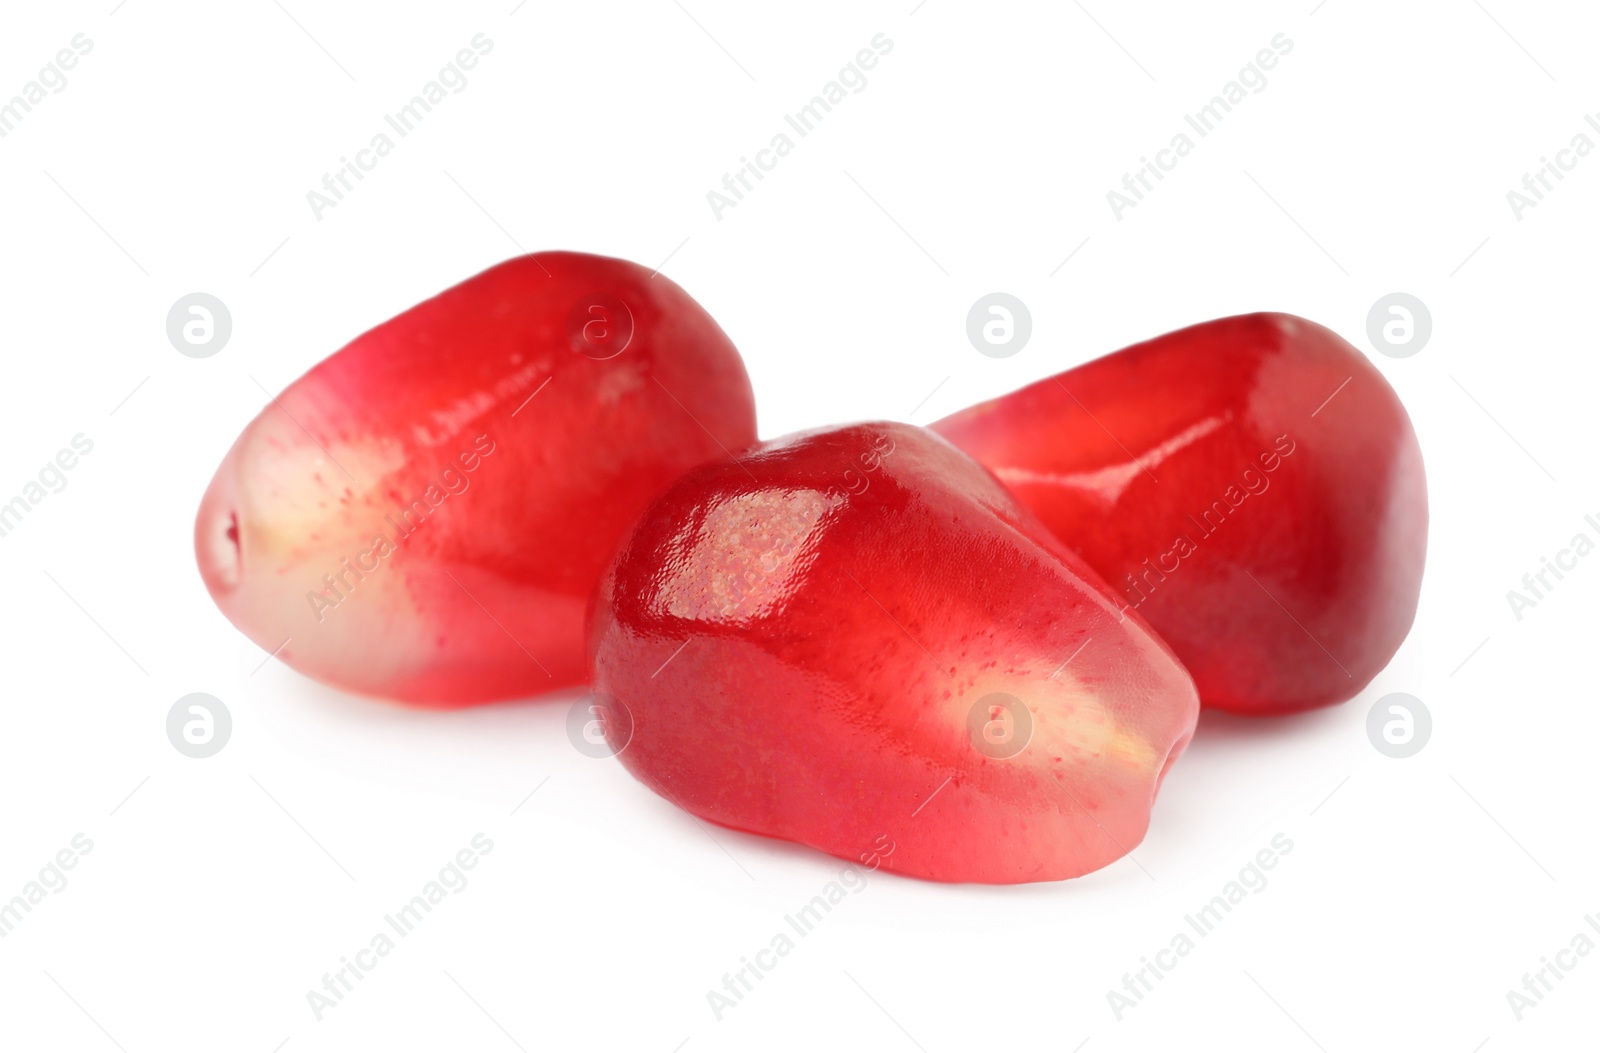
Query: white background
x,y
978,157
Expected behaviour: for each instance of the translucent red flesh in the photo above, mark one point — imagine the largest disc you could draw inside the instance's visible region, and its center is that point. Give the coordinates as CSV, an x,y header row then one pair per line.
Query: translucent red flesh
x,y
796,646
1251,486
424,515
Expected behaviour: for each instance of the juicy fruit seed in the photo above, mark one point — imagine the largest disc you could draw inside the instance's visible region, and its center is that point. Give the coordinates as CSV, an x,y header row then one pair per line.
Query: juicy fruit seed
x,y
856,637
424,515
1252,486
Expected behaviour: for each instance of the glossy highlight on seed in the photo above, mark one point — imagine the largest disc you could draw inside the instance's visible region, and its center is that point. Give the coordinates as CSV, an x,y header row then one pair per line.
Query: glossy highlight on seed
x,y
857,633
